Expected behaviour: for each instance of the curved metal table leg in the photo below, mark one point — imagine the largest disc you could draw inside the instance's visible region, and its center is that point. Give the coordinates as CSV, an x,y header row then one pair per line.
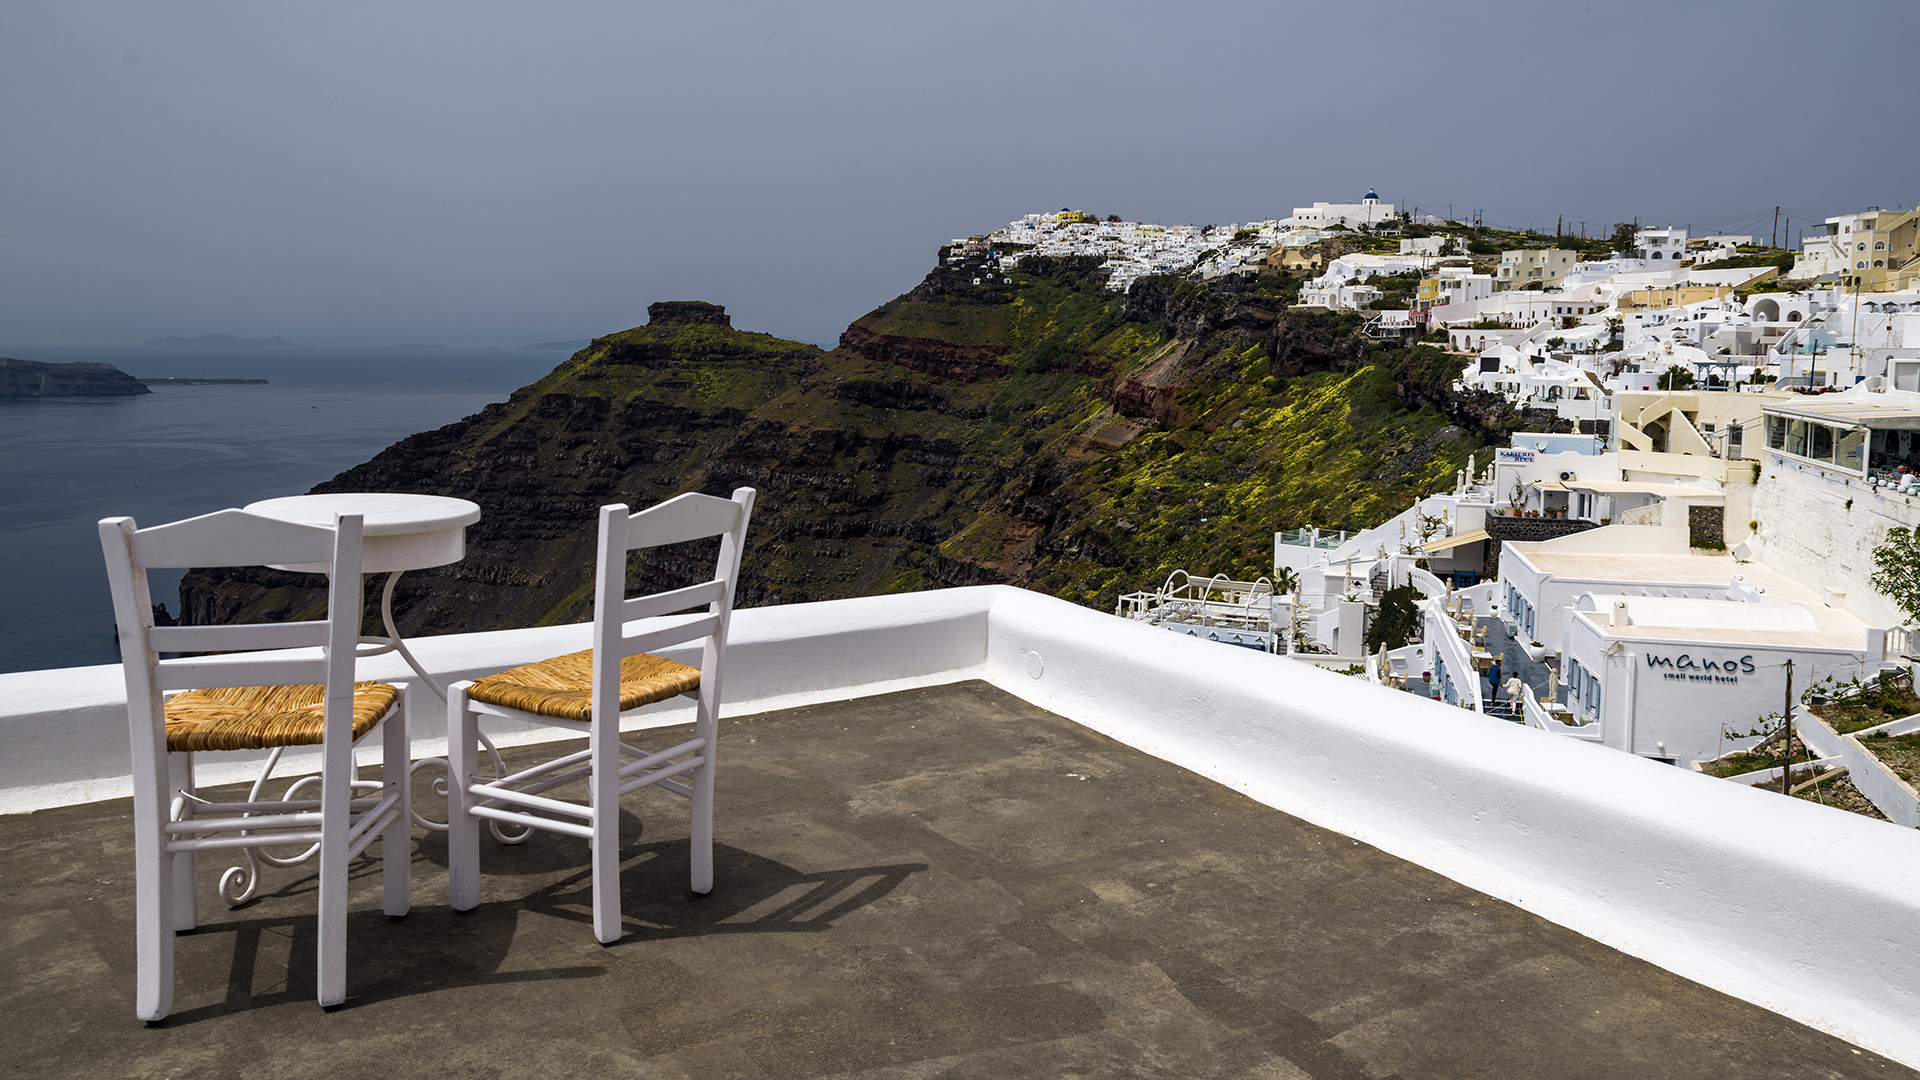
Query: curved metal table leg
x,y
394,642
239,883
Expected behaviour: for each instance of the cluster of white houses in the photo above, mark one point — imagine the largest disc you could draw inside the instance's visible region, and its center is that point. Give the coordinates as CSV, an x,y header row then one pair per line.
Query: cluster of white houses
x,y
1132,249
1668,561
1663,574
1721,537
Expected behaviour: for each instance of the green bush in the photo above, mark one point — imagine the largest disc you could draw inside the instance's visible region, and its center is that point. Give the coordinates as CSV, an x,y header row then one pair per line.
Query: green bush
x,y
1397,621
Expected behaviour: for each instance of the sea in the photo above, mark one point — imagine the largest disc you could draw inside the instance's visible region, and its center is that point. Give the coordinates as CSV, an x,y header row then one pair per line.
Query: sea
x,y
183,450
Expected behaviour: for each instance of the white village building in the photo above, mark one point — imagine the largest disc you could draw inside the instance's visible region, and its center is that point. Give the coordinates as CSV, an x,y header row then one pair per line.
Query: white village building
x,y
1369,211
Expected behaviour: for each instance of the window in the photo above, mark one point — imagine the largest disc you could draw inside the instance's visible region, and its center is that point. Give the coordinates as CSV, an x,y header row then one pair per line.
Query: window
x,y
1797,437
1879,245
1860,247
1821,443
1847,448
1776,433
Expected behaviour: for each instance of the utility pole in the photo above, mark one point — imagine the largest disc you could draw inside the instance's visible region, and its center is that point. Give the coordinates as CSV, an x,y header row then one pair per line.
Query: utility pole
x,y
1557,223
1786,752
1774,240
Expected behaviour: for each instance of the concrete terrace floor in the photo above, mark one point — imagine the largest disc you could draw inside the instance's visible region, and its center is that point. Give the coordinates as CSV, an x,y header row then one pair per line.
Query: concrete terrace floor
x,y
938,883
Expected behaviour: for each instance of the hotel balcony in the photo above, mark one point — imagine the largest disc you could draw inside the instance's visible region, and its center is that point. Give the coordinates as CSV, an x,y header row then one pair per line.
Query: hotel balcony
x,y
983,832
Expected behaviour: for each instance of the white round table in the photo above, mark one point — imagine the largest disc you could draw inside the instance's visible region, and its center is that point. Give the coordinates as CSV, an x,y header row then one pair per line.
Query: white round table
x,y
403,532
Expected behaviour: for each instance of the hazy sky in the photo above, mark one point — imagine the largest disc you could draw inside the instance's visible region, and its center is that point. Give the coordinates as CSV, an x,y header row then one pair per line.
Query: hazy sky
x,y
499,173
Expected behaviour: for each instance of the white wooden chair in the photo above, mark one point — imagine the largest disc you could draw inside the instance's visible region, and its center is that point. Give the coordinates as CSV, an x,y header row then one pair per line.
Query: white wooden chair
x,y
176,707
586,692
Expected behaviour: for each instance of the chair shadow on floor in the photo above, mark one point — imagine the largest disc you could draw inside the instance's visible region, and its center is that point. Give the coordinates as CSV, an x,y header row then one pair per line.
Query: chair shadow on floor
x,y
436,949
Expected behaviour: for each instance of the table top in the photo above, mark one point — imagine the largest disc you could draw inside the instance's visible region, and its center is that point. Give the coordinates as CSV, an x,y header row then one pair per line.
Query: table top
x,y
387,513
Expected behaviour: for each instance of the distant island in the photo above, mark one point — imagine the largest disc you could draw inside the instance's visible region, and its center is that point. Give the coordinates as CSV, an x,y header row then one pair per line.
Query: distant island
x,y
32,378
413,345
558,346
170,380
218,341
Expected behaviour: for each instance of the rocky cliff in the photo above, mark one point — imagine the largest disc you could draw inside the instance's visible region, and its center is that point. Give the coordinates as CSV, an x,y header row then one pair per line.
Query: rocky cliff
x,y
31,378
1033,428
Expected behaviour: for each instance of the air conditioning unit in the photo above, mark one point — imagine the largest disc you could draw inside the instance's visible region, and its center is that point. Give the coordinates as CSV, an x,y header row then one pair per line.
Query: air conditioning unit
x,y
1566,476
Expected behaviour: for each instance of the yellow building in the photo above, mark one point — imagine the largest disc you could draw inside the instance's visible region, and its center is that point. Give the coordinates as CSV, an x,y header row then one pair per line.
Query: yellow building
x,y
1545,267
1671,297
1883,256
1308,257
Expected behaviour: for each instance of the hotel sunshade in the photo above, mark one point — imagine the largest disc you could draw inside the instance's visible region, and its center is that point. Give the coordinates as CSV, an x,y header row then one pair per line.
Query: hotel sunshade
x,y
1455,541
1642,487
1854,413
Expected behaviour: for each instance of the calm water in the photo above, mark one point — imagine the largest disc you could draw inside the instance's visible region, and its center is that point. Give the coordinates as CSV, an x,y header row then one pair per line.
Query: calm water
x,y
65,463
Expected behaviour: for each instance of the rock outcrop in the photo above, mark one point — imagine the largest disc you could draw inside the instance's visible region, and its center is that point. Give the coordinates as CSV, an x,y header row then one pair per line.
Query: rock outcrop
x,y
31,378
687,313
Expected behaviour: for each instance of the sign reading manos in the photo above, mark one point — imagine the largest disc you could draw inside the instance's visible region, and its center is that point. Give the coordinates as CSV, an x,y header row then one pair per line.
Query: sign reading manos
x,y
1688,668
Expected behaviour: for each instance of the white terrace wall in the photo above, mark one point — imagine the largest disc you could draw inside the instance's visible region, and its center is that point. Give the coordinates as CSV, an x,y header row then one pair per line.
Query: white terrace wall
x,y
1822,526
1698,876
63,733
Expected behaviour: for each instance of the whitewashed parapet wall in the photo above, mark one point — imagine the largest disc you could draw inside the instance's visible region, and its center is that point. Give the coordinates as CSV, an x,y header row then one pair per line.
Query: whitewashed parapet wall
x,y
1698,876
1821,526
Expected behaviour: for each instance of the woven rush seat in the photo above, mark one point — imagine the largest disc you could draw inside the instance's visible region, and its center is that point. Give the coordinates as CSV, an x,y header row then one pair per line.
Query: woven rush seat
x,y
262,717
563,685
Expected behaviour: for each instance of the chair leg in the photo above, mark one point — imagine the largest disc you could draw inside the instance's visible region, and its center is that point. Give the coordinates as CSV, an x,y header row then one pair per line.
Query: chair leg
x,y
604,799
336,770
701,846
186,911
463,829
396,840
153,886
702,878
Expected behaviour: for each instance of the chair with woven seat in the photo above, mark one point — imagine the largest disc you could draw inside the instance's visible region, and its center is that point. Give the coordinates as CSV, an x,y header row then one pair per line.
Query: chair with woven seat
x,y
178,706
586,692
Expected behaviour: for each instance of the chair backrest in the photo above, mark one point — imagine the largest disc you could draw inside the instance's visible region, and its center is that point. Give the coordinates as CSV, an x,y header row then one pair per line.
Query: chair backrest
x,y
233,538
666,618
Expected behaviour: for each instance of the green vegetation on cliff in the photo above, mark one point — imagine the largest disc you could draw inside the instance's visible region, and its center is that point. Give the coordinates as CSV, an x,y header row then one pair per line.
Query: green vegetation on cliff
x,y
1032,429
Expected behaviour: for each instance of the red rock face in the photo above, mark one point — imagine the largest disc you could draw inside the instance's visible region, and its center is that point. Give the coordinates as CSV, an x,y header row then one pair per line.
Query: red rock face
x,y
929,356
1135,397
